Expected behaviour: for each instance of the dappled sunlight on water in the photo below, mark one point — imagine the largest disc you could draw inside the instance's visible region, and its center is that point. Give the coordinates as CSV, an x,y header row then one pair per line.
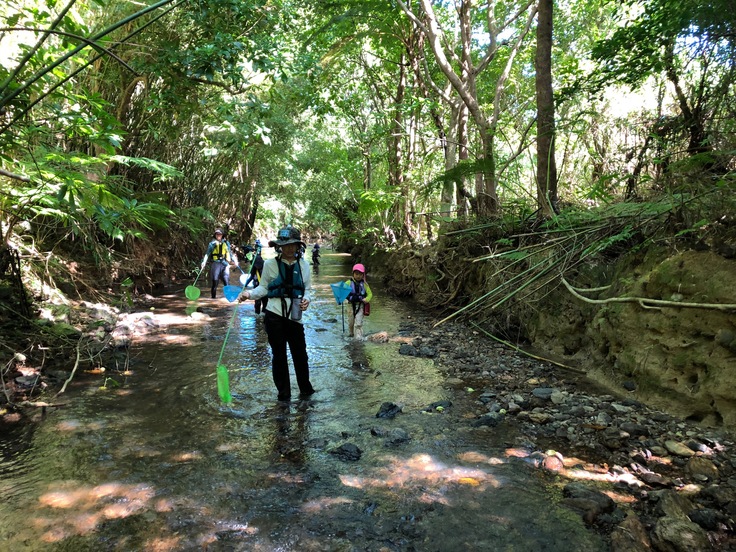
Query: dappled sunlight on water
x,y
422,471
147,458
477,457
89,506
324,503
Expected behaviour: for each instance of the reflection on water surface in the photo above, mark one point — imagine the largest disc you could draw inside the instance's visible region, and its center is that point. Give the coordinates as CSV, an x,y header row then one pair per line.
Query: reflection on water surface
x,y
156,463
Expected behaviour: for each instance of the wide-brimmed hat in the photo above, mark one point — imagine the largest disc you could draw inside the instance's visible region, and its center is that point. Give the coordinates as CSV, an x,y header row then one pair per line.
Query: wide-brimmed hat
x,y
286,236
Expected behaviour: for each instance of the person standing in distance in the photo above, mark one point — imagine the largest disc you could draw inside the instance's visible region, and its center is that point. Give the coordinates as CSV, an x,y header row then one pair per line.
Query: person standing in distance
x,y
255,276
222,258
285,281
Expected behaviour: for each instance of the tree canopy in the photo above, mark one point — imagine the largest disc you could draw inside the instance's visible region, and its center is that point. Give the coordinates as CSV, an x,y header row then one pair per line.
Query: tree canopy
x,y
351,118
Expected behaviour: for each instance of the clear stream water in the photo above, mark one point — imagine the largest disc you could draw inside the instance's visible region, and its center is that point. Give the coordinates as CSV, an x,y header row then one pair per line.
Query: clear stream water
x,y
157,463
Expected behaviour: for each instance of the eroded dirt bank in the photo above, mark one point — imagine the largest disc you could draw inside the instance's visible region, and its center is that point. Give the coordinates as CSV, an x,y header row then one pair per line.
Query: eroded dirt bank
x,y
628,335
640,392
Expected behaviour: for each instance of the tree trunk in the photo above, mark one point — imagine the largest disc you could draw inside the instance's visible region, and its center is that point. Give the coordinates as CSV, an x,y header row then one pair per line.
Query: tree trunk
x,y
486,195
546,167
463,195
395,152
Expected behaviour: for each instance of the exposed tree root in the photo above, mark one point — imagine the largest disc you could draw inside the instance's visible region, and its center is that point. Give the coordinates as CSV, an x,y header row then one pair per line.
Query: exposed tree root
x,y
644,301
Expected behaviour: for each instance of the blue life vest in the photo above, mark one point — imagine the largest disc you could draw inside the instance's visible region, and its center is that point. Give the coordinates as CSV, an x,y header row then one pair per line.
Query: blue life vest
x,y
289,283
358,291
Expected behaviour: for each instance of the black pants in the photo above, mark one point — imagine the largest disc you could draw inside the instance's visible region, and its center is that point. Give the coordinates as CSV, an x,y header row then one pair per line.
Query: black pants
x,y
218,273
260,305
282,332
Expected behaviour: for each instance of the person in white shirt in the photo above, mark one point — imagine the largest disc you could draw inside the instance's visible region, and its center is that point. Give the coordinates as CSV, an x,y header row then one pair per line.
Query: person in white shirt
x,y
285,281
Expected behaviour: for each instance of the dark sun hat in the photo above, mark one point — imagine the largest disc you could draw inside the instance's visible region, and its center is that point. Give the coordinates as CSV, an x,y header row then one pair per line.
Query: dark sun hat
x,y
286,236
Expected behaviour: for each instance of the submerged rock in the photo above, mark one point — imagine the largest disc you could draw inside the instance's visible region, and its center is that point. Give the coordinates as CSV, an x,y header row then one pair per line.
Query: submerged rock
x,y
388,410
396,436
438,406
347,452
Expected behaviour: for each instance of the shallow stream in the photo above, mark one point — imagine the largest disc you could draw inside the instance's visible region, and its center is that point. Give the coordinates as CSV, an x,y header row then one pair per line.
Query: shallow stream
x,y
145,457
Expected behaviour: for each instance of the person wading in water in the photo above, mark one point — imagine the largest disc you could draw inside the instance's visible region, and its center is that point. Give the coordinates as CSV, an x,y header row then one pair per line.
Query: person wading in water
x,y
285,281
222,259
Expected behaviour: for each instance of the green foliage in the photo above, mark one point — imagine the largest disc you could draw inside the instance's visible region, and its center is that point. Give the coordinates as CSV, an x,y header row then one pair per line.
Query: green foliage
x,y
600,245
72,190
161,171
377,200
328,114
638,49
126,287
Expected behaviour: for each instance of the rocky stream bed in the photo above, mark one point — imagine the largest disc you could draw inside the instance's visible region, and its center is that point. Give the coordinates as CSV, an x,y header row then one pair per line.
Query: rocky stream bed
x,y
648,480
639,477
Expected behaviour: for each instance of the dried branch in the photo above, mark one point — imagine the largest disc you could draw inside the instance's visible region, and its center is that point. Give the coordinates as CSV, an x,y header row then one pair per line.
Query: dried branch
x,y
76,365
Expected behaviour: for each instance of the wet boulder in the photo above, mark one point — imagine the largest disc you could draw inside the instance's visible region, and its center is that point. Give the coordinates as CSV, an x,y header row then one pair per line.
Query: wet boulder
x,y
629,385
634,429
677,534
672,504
708,518
589,503
544,393
388,410
654,479
678,449
407,350
701,469
630,536
490,419
720,495
347,452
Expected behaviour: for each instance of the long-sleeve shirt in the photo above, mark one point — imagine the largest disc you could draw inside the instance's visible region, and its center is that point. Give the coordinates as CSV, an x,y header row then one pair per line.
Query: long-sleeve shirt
x,y
221,249
270,273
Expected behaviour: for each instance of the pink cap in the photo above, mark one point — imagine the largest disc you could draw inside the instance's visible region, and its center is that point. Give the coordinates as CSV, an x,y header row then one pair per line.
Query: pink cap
x,y
359,268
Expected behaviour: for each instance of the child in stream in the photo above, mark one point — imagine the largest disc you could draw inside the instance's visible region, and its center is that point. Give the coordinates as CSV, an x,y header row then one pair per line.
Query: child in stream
x,y
359,301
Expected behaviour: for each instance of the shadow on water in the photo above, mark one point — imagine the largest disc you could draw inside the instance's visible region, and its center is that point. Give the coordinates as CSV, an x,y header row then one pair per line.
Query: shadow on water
x,y
156,463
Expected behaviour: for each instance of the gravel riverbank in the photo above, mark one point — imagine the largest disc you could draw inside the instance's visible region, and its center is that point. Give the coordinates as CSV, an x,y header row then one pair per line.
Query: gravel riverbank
x,y
647,479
